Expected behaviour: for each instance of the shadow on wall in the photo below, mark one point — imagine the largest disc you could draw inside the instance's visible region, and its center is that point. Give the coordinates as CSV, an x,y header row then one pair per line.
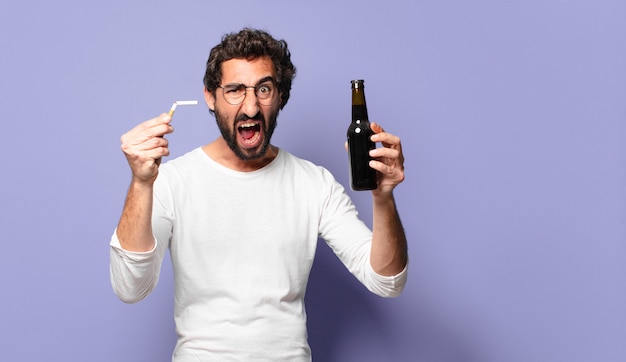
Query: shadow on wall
x,y
347,322
339,310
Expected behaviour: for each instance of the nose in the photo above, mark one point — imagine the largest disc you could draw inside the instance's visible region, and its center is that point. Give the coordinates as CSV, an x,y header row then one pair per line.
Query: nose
x,y
250,104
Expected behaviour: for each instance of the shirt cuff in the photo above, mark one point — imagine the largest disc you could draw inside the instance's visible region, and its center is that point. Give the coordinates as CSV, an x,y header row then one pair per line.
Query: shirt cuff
x,y
136,256
389,286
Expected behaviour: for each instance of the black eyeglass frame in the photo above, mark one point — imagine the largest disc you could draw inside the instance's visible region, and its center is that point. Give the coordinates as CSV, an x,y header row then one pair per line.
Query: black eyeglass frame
x,y
264,100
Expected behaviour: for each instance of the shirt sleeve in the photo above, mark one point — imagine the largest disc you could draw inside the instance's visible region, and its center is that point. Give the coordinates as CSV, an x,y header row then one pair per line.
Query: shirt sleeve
x,y
133,274
386,286
351,240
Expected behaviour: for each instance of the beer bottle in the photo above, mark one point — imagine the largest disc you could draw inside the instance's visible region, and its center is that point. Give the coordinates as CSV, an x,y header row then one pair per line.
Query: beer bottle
x,y
362,176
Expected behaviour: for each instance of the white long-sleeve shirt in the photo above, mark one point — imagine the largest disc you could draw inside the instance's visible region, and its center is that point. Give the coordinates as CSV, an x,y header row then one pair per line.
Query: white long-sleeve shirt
x,y
242,245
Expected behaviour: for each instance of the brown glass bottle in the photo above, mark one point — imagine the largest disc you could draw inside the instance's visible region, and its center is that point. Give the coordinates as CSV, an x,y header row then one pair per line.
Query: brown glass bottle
x,y
362,176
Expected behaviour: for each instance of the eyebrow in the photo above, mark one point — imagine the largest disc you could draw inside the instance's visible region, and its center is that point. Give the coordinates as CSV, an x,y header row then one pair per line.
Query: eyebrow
x,y
261,81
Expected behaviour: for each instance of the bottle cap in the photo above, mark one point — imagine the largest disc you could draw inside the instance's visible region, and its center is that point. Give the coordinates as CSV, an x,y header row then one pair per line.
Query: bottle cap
x,y
358,83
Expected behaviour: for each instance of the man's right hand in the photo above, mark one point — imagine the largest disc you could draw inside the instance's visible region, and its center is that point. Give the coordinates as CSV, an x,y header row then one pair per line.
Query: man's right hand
x,y
144,146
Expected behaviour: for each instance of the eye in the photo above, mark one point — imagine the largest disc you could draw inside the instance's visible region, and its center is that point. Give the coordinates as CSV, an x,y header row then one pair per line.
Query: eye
x,y
235,89
264,89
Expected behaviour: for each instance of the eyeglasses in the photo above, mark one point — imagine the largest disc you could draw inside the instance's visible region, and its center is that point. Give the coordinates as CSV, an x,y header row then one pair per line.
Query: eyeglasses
x,y
234,94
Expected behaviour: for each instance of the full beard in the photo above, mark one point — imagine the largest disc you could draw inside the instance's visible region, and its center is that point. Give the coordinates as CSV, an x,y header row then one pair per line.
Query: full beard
x,y
230,134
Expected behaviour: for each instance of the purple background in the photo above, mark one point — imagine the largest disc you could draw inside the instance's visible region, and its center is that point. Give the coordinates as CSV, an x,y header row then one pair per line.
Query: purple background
x,y
513,121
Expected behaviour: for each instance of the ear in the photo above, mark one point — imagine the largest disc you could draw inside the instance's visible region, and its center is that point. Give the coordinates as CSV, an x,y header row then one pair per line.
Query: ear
x,y
209,98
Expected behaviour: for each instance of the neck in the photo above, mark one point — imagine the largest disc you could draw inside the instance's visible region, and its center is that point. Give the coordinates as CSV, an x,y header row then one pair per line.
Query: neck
x,y
219,152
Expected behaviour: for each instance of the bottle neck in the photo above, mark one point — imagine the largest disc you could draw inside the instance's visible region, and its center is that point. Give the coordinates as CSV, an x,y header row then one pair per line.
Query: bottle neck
x,y
359,113
359,107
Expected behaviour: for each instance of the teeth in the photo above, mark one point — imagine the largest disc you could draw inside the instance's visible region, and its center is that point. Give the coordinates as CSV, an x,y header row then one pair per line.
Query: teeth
x,y
247,125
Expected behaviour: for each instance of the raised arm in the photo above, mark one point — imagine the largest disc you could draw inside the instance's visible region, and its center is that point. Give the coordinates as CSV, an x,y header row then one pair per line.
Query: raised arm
x,y
389,254
143,146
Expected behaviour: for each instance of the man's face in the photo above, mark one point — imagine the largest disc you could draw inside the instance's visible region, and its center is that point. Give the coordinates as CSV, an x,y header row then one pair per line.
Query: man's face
x,y
247,127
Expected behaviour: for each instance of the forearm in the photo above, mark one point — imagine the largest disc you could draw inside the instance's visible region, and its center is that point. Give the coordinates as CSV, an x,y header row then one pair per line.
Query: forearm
x,y
134,229
389,254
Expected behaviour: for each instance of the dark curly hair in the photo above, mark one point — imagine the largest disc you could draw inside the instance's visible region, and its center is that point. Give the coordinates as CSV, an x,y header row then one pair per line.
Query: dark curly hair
x,y
251,44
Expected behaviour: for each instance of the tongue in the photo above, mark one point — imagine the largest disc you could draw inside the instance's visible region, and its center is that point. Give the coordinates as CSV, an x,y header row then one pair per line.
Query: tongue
x,y
247,133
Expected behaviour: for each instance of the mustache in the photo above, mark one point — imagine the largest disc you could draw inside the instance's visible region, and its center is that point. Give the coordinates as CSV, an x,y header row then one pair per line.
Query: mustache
x,y
245,117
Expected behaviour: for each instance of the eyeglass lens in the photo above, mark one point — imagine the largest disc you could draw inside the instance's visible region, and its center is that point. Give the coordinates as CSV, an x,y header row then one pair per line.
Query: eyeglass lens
x,y
236,93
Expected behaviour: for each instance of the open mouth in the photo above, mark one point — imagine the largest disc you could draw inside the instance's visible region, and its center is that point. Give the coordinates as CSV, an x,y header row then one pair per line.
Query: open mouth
x,y
250,132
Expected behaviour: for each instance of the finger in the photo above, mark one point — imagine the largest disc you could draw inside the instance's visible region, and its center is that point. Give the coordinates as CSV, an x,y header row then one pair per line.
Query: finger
x,y
376,127
147,149
141,162
386,152
163,118
140,148
157,153
394,173
157,130
152,143
386,138
153,122
155,127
